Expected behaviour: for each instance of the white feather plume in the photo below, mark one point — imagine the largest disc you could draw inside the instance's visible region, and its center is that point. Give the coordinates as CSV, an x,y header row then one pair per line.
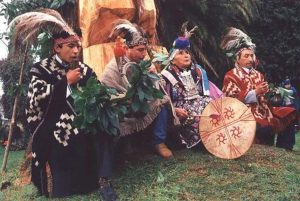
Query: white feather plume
x,y
234,39
123,27
25,27
185,31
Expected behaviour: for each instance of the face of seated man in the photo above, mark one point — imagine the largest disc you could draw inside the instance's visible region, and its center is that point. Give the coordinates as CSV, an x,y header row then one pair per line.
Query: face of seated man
x,y
246,58
136,53
182,59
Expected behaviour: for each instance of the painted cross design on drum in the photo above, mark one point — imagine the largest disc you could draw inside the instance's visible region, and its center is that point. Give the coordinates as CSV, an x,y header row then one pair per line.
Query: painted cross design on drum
x,y
228,133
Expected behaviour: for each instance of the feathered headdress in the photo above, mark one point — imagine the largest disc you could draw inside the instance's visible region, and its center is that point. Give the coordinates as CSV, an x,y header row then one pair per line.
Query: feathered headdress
x,y
25,28
234,41
131,33
182,42
184,30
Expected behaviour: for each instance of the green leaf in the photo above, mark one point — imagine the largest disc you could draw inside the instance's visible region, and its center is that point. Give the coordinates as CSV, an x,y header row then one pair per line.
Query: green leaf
x,y
140,94
148,93
158,94
135,106
23,90
103,119
145,64
91,115
13,90
130,92
145,107
91,101
113,119
76,94
153,76
122,109
112,91
78,121
113,131
84,126
160,177
55,4
271,85
86,92
135,74
79,104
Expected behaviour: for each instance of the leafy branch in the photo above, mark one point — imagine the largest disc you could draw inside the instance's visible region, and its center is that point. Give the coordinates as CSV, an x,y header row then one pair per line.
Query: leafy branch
x,y
16,88
98,112
142,89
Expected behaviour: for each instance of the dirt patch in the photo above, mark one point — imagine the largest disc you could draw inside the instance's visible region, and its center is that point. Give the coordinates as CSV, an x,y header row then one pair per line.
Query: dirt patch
x,y
200,171
24,180
183,177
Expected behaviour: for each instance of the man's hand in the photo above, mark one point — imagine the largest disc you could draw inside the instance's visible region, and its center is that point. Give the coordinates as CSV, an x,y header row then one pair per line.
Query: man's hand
x,y
181,113
262,88
73,76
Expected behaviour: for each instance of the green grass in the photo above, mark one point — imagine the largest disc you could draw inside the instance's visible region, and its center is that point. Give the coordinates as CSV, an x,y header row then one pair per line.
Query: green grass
x,y
263,173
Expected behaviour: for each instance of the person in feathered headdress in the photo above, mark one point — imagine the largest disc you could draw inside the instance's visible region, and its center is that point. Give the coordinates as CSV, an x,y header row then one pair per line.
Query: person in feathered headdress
x,y
50,111
188,87
247,84
116,75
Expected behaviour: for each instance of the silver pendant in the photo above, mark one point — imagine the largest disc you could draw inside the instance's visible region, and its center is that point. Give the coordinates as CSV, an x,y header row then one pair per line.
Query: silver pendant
x,y
189,85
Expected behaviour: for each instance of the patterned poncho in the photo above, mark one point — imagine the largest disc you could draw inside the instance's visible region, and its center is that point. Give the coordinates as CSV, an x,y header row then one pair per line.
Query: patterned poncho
x,y
112,77
50,115
238,83
189,132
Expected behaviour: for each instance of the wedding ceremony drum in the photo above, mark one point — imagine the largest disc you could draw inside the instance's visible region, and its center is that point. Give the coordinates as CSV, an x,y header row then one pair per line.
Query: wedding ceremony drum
x,y
227,128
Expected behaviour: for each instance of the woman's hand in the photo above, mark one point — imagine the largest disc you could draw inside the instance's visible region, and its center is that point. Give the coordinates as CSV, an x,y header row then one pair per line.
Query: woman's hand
x,y
181,113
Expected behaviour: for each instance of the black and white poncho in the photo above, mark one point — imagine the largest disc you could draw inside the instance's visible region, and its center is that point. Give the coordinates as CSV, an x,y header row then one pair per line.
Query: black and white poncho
x,y
55,140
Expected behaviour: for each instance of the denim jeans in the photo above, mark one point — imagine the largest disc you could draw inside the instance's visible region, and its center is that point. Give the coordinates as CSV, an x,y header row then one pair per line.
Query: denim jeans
x,y
160,126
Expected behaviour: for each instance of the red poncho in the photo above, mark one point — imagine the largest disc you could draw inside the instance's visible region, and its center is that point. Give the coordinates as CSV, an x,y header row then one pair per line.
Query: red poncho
x,y
237,84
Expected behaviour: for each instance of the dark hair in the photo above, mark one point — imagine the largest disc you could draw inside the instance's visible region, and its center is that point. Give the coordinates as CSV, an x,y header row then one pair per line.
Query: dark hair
x,y
238,56
62,34
131,37
78,32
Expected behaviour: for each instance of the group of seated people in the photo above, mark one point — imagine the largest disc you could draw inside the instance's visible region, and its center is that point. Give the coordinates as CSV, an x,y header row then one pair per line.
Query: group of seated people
x,y
187,91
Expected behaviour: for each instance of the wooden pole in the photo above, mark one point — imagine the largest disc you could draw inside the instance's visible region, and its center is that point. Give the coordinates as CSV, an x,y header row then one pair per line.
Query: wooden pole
x,y
14,113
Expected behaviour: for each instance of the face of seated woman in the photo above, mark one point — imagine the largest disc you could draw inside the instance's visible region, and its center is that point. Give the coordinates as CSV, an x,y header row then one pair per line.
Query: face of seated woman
x,y
182,59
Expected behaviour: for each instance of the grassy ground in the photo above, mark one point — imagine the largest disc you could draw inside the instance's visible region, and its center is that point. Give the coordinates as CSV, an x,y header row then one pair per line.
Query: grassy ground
x,y
263,173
